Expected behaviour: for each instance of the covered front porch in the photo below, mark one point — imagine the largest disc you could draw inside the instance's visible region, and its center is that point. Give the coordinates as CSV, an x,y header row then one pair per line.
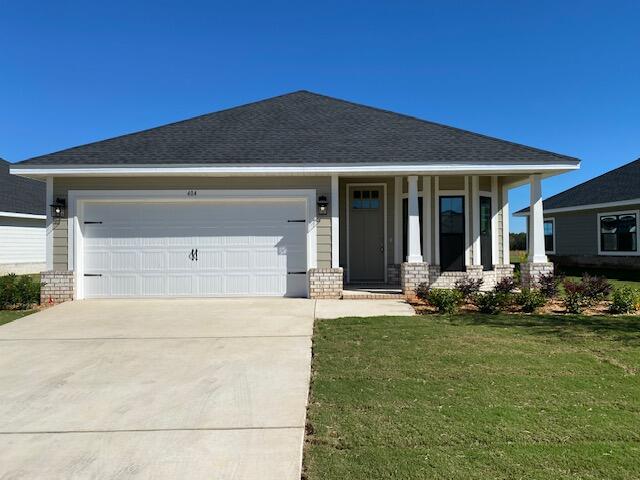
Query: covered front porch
x,y
391,233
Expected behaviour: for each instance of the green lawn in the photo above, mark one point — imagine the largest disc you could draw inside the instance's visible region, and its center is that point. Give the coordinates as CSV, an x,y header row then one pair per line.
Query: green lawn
x,y
7,316
475,397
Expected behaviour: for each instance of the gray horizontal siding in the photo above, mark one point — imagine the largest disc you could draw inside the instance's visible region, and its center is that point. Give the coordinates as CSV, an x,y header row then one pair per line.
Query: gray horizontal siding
x,y
577,232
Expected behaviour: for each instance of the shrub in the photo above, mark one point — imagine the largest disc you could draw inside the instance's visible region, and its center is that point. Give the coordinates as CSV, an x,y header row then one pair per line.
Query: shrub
x,y
505,285
446,301
18,292
575,300
490,302
530,300
468,287
549,284
595,288
625,300
422,291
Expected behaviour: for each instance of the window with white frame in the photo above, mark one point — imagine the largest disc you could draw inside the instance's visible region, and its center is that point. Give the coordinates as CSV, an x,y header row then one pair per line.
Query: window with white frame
x,y
549,235
618,232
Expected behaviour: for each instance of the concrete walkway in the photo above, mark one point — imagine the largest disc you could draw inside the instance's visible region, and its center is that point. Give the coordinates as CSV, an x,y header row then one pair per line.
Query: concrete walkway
x,y
162,389
328,309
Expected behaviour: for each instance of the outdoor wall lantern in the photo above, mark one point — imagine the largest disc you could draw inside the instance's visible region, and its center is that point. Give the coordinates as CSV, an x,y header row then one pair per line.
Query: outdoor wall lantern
x,y
323,205
58,208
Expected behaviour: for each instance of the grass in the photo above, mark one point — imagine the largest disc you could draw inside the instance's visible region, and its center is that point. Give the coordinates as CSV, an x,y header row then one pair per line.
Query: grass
x,y
7,316
475,397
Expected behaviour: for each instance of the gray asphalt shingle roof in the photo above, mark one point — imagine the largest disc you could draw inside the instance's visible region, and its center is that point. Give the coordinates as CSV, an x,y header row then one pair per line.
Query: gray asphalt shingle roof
x,y
618,185
300,128
20,195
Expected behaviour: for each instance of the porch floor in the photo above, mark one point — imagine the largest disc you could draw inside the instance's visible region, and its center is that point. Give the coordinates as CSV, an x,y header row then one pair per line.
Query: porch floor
x,y
371,292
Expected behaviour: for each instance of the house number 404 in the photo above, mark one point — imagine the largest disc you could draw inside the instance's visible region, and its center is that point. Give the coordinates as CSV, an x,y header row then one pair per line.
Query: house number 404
x,y
192,193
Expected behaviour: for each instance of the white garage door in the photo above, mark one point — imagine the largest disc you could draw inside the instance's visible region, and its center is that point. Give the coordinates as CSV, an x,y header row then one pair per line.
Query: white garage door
x,y
215,248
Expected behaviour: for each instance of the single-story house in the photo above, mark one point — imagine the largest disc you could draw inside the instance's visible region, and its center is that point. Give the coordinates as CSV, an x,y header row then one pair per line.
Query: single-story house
x,y
289,196
595,224
22,223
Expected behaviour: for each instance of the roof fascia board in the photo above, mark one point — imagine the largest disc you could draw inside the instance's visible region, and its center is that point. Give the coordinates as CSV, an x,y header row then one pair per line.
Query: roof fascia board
x,y
22,215
299,169
592,206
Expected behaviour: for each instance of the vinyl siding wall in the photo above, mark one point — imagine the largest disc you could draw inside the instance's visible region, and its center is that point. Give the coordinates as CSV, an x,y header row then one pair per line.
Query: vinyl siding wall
x,y
22,240
577,232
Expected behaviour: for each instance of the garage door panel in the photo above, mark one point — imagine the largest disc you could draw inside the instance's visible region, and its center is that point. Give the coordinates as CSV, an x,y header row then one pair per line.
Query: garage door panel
x,y
181,285
153,285
244,248
123,285
151,260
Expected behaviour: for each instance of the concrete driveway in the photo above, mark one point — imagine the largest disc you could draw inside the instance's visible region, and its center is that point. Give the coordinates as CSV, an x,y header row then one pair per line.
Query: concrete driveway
x,y
162,389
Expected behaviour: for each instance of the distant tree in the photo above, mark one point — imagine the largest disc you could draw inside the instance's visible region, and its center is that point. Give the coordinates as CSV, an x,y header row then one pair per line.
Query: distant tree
x,y
518,241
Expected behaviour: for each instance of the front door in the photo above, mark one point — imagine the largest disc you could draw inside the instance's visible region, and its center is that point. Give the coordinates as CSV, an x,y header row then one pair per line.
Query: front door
x,y
452,233
366,234
485,233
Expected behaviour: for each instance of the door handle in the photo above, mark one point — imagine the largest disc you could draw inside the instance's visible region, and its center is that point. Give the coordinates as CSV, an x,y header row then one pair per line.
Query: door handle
x,y
192,255
196,254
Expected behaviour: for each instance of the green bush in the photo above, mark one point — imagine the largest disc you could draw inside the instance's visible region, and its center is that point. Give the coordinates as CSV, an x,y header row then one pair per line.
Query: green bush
x,y
446,301
625,300
530,300
18,291
491,302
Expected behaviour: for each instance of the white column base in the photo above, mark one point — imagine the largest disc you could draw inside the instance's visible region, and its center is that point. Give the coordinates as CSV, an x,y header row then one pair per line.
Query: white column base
x,y
414,259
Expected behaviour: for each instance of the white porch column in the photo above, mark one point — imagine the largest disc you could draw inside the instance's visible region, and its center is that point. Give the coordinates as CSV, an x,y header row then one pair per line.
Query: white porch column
x,y
475,219
413,227
504,207
426,218
536,222
494,221
335,221
436,226
49,224
397,221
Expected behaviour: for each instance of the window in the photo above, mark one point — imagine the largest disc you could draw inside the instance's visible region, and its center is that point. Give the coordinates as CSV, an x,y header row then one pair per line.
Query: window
x,y
365,199
618,232
549,235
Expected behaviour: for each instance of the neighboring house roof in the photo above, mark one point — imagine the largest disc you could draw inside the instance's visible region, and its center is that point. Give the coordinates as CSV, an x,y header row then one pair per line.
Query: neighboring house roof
x,y
618,185
20,195
300,128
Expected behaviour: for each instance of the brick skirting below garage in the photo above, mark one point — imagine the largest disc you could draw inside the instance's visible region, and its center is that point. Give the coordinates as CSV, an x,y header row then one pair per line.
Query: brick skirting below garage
x,y
325,282
57,287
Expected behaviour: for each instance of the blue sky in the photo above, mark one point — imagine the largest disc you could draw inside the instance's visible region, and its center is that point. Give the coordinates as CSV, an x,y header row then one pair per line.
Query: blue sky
x,y
562,76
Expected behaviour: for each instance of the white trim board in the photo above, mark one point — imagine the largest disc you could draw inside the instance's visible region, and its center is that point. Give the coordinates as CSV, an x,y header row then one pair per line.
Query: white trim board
x,y
348,208
617,253
78,198
592,206
23,215
374,169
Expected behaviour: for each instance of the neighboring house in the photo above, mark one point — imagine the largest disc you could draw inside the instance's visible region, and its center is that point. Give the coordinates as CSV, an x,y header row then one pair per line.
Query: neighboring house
x,y
287,196
595,224
22,223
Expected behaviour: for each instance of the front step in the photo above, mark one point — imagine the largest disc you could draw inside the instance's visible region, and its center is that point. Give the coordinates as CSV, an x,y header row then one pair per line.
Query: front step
x,y
360,293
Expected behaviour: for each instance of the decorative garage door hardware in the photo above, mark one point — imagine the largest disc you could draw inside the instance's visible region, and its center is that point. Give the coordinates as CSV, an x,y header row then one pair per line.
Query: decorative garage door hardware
x,y
296,221
296,273
193,256
92,274
93,223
